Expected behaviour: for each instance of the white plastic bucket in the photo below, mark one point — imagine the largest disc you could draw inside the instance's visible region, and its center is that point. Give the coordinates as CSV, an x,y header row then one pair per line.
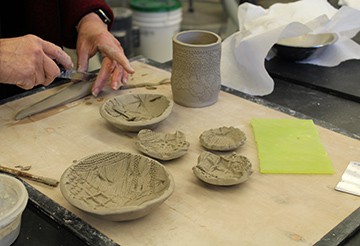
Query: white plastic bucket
x,y
156,31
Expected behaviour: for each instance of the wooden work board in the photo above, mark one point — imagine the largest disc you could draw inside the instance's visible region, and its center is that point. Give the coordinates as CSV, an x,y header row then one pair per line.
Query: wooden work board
x,y
268,209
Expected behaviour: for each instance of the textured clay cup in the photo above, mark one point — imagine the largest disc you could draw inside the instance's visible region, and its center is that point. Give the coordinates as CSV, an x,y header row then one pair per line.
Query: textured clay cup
x,y
195,78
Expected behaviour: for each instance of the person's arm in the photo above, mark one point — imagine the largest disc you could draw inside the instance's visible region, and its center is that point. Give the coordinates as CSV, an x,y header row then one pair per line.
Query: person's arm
x,y
28,61
72,12
93,36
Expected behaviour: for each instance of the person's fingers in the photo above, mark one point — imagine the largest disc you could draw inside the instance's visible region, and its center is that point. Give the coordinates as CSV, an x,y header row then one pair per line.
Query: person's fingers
x,y
83,60
44,77
115,79
118,56
55,52
125,78
118,77
106,70
26,83
51,70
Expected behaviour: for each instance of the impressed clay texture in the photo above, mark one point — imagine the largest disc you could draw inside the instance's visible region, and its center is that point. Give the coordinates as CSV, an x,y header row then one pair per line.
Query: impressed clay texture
x,y
117,186
222,170
133,112
222,139
195,77
163,146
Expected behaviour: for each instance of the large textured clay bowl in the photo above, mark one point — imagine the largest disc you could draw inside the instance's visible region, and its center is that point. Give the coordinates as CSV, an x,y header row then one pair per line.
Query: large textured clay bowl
x,y
222,138
162,146
133,112
224,170
117,186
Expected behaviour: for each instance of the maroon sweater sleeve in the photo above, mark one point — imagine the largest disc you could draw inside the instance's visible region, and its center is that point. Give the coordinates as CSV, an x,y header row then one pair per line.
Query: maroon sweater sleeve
x,y
52,20
71,12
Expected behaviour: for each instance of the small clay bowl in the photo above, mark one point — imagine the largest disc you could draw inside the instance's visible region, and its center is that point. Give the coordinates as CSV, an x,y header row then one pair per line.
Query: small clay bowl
x,y
225,170
162,146
222,139
133,112
117,186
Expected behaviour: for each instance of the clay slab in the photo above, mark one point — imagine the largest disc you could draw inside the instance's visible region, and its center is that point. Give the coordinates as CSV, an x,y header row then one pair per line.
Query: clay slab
x,y
224,170
222,139
162,146
117,186
133,112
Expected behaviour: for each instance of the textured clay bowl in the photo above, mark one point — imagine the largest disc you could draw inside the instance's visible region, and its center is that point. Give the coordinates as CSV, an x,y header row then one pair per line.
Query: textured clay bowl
x,y
13,200
133,112
162,146
303,47
222,139
222,170
117,186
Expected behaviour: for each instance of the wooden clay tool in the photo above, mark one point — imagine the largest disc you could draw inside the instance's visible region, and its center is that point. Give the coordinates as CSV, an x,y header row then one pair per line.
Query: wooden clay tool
x,y
44,180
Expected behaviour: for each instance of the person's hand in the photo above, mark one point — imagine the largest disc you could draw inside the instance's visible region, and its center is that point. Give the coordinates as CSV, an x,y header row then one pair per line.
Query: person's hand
x,y
93,36
28,61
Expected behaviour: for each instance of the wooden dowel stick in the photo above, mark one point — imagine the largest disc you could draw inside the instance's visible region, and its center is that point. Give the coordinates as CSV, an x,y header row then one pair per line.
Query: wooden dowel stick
x,y
44,180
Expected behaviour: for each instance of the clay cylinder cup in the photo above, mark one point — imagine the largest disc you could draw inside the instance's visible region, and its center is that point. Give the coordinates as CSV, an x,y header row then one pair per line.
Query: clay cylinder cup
x,y
195,78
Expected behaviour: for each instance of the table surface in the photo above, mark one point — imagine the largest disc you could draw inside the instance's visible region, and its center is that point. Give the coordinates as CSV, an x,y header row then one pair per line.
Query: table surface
x,y
260,211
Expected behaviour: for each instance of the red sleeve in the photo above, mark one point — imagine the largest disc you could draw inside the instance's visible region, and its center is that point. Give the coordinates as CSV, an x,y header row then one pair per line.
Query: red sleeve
x,y
71,13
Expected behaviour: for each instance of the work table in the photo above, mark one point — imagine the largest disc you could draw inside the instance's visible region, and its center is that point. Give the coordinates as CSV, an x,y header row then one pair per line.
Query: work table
x,y
283,209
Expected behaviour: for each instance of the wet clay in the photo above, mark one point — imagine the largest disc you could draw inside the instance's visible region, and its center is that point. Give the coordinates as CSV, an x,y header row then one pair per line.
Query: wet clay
x,y
195,77
222,139
163,146
133,112
224,170
116,185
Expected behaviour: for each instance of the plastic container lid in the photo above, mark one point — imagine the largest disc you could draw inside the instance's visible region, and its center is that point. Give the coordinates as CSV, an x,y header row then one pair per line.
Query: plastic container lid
x,y
13,199
155,6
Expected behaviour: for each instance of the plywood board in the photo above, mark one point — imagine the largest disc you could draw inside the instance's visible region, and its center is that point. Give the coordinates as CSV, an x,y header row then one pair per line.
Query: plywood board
x,y
268,209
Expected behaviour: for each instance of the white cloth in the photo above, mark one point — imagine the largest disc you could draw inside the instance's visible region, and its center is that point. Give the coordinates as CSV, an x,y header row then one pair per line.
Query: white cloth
x,y
244,52
351,3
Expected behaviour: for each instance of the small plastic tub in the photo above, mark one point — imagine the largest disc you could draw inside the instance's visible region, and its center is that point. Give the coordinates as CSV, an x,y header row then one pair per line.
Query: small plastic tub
x,y
13,200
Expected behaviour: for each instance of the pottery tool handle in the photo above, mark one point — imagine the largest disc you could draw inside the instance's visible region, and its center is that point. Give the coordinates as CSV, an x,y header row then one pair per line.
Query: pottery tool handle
x,y
44,180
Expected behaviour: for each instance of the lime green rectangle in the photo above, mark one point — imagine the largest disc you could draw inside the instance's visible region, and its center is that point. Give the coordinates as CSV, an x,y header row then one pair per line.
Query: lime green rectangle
x,y
290,146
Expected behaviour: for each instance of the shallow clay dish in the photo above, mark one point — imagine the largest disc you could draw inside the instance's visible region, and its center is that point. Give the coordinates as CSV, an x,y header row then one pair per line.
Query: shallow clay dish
x,y
133,112
222,139
162,146
117,186
222,170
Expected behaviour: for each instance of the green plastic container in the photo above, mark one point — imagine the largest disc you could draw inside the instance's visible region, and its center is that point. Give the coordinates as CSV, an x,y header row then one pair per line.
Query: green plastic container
x,y
155,6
